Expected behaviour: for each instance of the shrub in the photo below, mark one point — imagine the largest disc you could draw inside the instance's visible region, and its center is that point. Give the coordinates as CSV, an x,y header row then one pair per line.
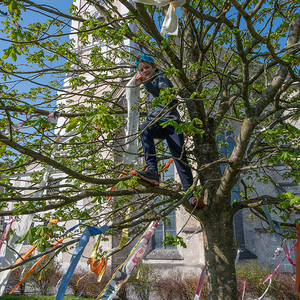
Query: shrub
x,y
45,276
282,286
143,280
14,279
123,291
180,287
85,282
254,276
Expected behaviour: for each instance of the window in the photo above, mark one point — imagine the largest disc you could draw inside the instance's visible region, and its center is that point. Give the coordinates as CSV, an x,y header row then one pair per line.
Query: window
x,y
165,227
162,229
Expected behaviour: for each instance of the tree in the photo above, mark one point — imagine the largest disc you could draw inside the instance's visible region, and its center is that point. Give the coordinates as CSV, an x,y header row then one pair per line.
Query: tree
x,y
236,68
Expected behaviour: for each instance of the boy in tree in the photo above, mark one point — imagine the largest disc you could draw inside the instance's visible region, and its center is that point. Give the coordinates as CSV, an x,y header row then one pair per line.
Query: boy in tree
x,y
154,80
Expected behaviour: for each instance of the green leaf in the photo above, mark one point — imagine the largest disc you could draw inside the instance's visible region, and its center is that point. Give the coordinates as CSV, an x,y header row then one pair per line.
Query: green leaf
x,y
22,238
40,246
5,55
30,236
72,124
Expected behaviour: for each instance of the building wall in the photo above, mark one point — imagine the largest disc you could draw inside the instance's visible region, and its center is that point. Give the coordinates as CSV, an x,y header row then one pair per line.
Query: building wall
x,y
258,237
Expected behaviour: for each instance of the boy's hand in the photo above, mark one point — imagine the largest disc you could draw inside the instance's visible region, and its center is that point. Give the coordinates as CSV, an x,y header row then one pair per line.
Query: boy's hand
x,y
139,76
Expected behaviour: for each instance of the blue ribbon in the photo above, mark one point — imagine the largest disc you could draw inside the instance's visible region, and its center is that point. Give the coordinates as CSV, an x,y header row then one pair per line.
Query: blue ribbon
x,y
276,227
88,232
267,213
79,296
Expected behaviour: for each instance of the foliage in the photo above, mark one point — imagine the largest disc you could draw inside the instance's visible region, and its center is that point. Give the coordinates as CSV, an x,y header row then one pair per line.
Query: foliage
x,y
14,279
180,286
173,240
254,274
143,279
85,282
282,286
46,276
235,66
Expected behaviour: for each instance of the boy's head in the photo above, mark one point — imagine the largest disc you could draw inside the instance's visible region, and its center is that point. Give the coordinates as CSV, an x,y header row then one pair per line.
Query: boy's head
x,y
146,66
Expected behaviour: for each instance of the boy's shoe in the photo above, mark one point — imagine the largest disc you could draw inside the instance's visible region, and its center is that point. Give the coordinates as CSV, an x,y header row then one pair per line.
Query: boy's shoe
x,y
149,176
196,202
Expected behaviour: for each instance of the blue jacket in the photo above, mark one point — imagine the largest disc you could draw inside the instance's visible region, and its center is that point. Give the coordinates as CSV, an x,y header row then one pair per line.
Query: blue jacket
x,y
153,88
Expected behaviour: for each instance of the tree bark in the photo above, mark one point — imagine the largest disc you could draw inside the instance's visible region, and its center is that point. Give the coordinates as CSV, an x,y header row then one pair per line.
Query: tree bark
x,y
219,254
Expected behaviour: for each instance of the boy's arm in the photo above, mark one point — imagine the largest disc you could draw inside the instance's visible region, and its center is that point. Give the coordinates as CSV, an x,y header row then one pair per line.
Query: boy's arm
x,y
154,87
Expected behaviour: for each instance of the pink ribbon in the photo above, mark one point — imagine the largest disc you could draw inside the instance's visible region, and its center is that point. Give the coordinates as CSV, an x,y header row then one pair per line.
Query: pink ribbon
x,y
11,220
286,250
201,280
286,256
244,289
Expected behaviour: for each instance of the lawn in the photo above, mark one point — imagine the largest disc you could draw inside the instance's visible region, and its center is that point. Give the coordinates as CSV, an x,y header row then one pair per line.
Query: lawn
x,y
39,297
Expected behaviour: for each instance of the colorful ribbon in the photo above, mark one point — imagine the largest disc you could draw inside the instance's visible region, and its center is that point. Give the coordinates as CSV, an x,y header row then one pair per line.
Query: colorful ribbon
x,y
200,283
8,226
261,297
125,270
96,266
297,287
34,266
286,250
244,289
281,262
26,255
274,227
277,252
88,232
199,229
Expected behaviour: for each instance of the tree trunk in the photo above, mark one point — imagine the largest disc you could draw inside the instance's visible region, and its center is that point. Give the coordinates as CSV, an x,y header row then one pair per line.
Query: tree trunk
x,y
219,254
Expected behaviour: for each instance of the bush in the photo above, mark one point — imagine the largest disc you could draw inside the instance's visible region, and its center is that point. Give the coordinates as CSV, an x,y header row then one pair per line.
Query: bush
x,y
45,276
143,280
14,279
282,286
86,282
286,283
254,276
179,287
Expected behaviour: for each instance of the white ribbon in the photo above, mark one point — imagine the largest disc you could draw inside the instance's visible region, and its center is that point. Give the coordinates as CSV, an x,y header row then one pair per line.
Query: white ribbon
x,y
132,126
170,24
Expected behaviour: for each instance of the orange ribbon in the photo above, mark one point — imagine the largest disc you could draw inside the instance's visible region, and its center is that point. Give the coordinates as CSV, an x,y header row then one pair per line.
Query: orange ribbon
x,y
27,254
34,266
95,267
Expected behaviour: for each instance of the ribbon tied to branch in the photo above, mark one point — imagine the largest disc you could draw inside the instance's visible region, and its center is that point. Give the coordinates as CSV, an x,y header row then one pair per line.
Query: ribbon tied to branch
x,y
170,24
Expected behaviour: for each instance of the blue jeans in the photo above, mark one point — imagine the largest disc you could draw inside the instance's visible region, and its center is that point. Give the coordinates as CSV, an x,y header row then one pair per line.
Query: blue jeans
x,y
176,145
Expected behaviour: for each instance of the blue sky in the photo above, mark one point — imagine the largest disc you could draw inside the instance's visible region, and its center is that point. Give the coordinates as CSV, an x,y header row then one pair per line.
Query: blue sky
x,y
30,16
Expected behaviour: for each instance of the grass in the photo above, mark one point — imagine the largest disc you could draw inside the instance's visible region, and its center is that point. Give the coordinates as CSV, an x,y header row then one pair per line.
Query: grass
x,y
39,297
